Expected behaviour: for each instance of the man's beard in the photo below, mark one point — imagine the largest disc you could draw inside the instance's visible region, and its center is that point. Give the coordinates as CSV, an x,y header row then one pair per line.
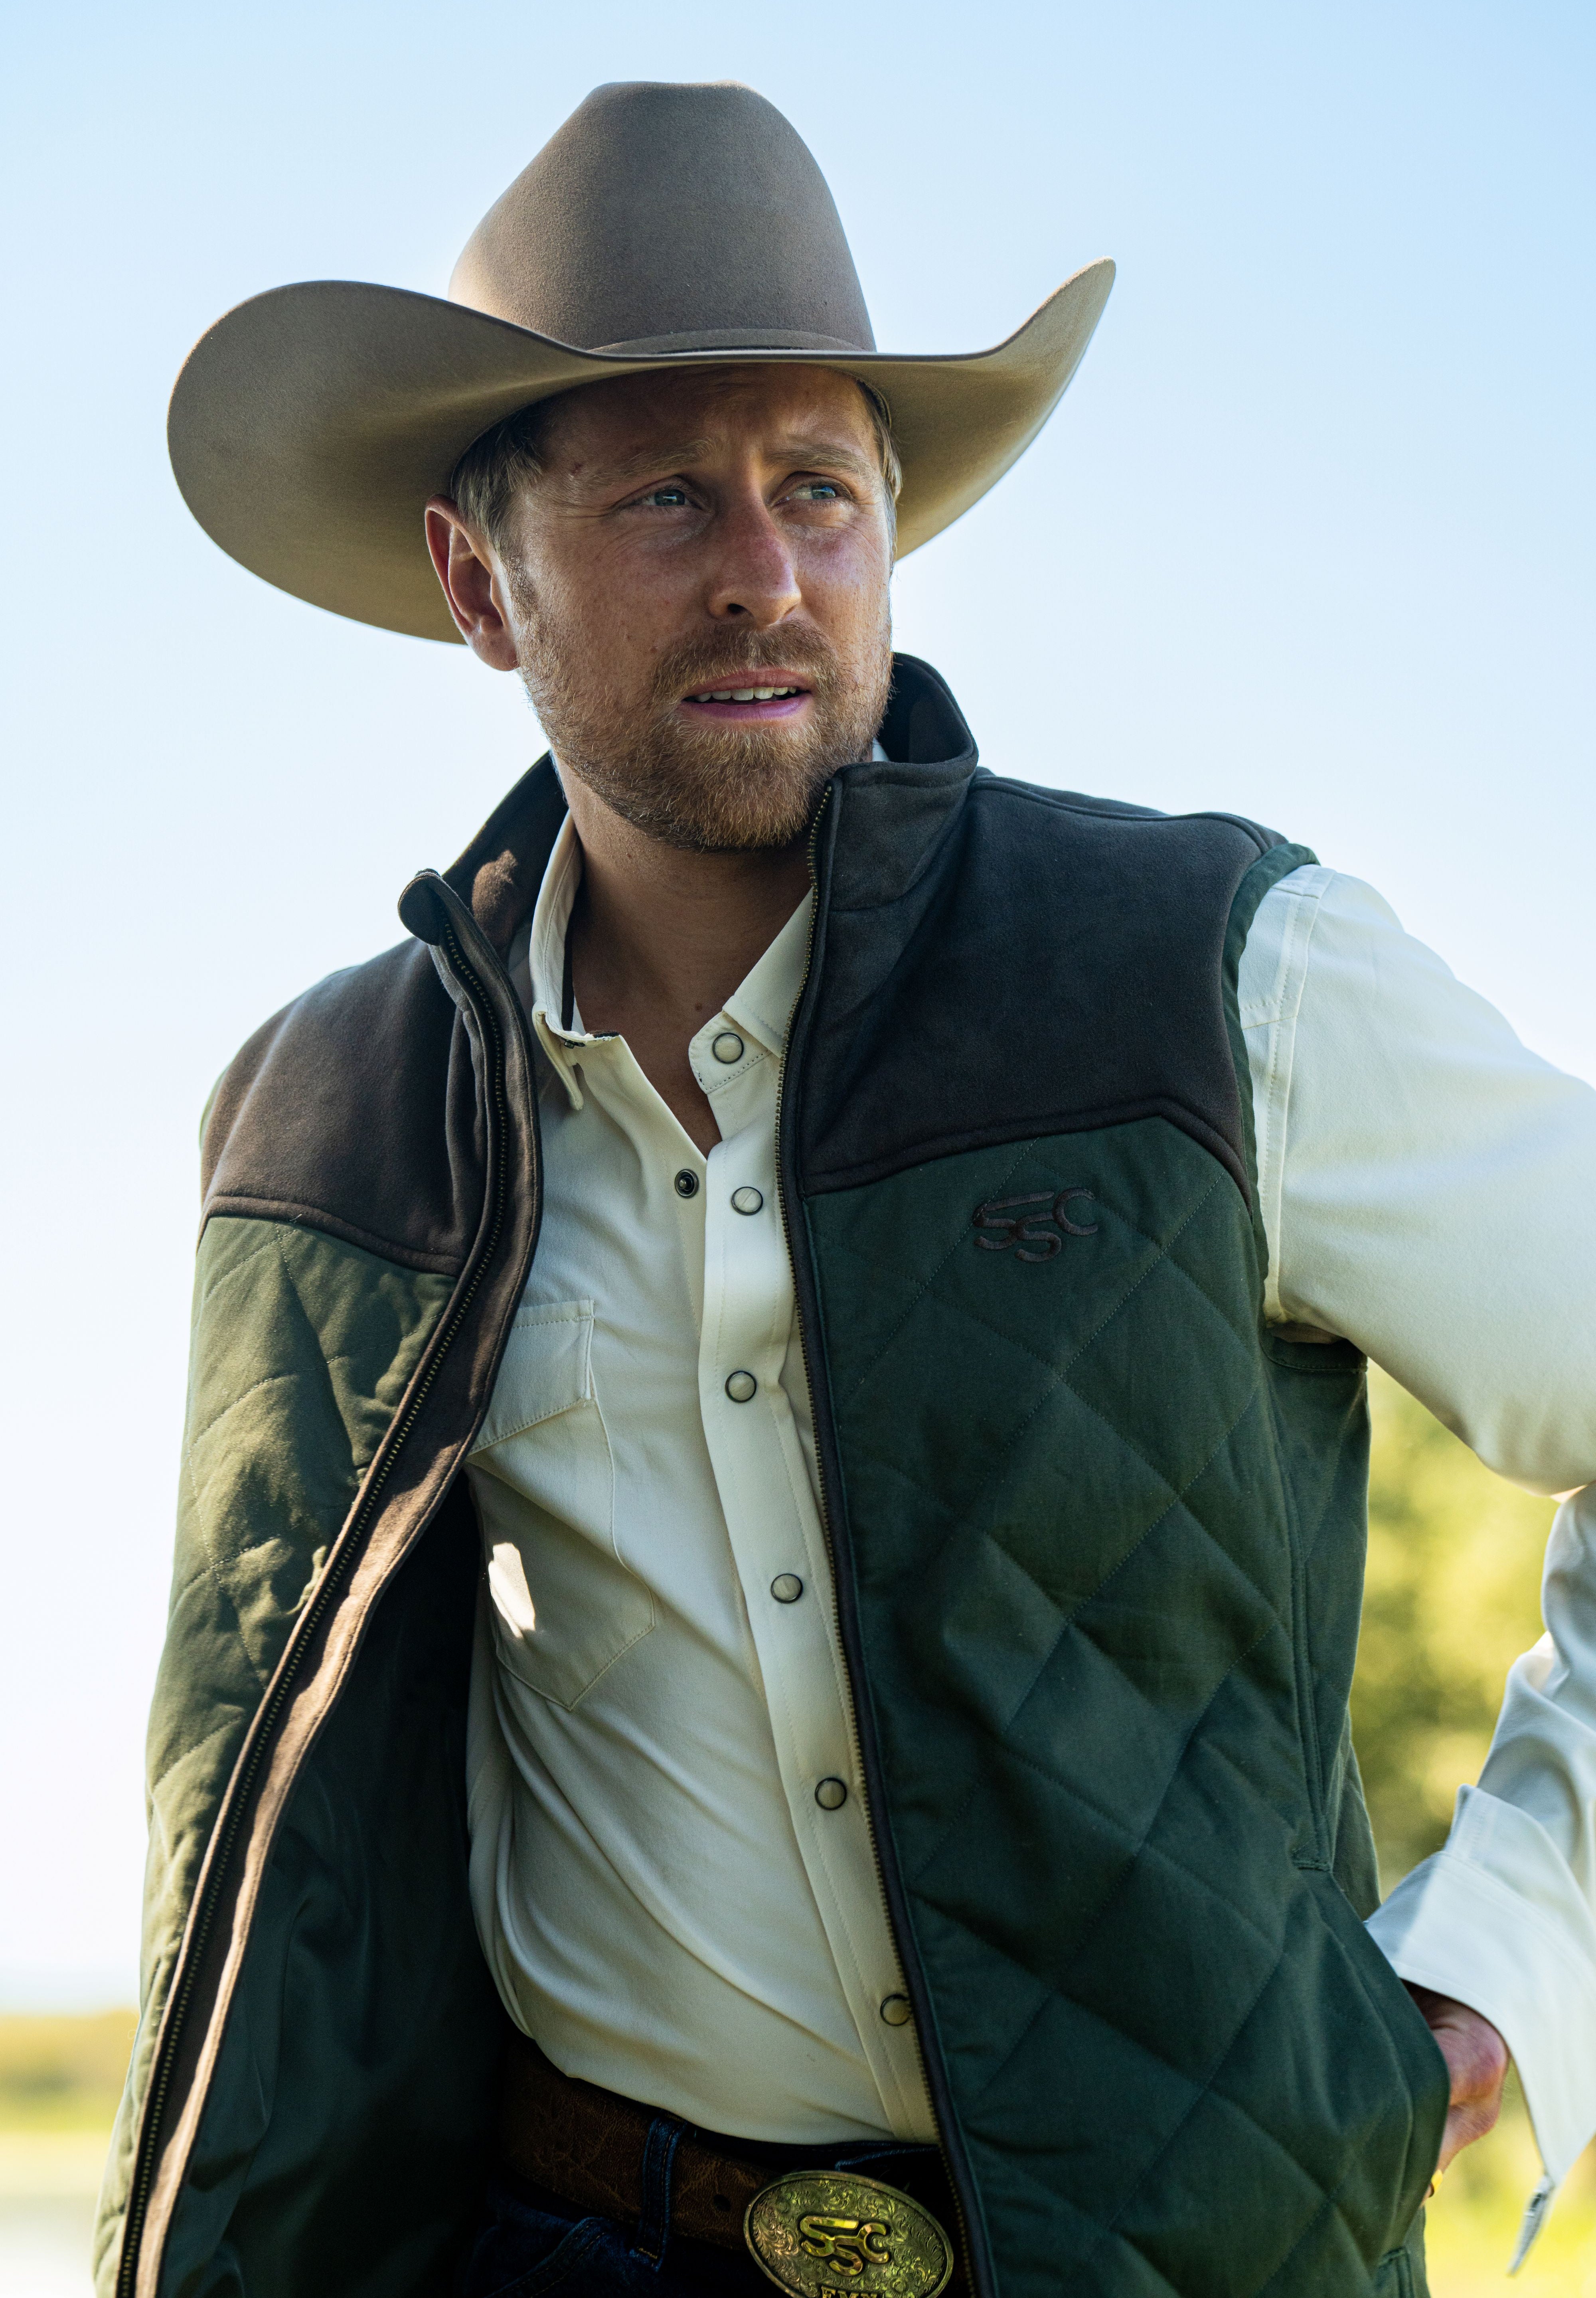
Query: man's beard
x,y
706,787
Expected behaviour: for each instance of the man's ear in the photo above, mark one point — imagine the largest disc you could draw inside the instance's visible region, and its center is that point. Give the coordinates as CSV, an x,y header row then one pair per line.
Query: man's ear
x,y
471,583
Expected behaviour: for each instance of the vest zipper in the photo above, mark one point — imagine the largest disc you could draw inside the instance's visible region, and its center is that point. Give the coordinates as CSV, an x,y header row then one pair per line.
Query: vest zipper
x,y
887,1882
334,1573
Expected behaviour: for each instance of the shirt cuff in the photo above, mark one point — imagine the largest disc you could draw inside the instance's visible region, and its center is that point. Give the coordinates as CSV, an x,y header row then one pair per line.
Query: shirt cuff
x,y
1497,1921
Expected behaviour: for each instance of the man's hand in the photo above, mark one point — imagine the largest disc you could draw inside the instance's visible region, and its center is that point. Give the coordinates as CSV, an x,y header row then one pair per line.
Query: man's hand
x,y
1477,2058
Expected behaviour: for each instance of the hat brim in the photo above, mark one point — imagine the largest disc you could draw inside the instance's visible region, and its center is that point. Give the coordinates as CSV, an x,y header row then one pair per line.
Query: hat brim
x,y
309,425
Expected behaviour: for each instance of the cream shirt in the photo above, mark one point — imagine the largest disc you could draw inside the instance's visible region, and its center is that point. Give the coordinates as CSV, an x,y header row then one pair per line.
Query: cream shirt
x,y
674,1901
672,1867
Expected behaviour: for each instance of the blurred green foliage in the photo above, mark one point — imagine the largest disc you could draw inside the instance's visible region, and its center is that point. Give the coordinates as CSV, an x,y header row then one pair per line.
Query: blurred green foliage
x,y
1452,1597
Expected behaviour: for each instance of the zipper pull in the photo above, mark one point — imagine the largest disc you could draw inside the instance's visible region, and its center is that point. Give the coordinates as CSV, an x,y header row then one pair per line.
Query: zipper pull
x,y
1536,2212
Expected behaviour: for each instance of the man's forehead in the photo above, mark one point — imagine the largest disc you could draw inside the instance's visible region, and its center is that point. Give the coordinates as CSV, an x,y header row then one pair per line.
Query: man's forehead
x,y
635,419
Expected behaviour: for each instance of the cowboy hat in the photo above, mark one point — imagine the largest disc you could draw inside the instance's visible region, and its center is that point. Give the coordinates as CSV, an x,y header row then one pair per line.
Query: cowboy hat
x,y
663,225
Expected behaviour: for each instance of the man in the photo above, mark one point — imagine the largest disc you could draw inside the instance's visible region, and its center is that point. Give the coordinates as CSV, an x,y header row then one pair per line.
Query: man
x,y
774,1483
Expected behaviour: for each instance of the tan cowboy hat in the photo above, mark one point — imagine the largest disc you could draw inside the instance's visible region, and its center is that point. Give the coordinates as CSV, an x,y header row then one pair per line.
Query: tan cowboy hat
x,y
663,226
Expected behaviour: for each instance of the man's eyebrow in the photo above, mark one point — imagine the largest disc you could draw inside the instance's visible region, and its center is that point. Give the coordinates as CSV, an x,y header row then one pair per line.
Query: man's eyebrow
x,y
648,459
800,451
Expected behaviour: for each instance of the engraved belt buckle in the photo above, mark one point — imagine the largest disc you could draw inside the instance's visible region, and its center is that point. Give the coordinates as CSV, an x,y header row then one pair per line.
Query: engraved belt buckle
x,y
829,2233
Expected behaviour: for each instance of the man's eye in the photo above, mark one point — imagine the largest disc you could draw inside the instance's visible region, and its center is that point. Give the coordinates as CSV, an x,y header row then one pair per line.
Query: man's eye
x,y
818,491
667,498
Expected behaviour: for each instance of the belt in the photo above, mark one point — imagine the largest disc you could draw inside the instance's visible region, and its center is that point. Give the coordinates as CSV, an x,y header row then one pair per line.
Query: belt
x,y
816,2231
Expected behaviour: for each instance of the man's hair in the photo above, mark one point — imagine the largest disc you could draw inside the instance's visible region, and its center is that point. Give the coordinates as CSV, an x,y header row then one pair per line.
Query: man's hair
x,y
500,462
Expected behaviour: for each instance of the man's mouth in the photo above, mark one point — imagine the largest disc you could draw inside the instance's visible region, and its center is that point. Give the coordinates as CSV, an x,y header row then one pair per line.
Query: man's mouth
x,y
776,698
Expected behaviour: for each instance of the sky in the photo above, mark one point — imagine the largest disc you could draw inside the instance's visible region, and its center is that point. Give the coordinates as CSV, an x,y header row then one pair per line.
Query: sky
x,y
1308,540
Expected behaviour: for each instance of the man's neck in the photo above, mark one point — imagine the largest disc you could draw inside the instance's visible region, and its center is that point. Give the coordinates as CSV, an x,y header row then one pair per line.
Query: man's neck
x,y
660,938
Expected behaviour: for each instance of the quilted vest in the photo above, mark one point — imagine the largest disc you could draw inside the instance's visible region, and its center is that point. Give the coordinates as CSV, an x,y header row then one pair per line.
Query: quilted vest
x,y
1097,1535
1099,1538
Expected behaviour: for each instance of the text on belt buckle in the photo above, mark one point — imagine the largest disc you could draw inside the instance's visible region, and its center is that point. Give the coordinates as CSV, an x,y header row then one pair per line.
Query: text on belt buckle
x,y
827,2234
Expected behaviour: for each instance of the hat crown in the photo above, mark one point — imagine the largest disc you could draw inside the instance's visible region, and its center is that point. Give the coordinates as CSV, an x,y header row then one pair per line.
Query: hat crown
x,y
670,216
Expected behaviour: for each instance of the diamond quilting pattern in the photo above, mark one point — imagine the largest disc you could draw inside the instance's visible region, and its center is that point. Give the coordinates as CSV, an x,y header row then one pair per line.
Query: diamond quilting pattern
x,y
1068,1515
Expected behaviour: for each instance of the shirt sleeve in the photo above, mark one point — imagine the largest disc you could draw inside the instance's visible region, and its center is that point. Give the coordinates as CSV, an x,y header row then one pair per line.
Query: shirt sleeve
x,y
1428,1191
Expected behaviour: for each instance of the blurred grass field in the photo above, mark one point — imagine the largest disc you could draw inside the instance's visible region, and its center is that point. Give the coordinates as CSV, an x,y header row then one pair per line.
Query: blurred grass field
x,y
1453,1597
59,2080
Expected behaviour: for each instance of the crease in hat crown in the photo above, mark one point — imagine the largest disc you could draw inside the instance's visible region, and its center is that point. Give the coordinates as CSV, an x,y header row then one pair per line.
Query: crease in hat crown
x,y
664,224
670,216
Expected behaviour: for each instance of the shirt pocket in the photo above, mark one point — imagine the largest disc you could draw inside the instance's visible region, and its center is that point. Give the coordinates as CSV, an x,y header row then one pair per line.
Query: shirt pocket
x,y
564,1607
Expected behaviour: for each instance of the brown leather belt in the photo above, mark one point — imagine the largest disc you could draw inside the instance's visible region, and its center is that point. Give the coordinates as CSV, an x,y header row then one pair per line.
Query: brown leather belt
x,y
589,2146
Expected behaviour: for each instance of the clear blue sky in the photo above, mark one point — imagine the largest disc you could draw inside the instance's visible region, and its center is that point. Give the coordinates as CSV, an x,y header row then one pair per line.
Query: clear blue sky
x,y
1310,538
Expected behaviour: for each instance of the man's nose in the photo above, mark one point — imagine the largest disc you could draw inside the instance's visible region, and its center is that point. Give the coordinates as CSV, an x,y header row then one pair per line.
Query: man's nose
x,y
754,579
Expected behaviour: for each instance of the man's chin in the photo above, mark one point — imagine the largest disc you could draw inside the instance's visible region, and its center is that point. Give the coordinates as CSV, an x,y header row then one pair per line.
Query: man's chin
x,y
720,789
716,819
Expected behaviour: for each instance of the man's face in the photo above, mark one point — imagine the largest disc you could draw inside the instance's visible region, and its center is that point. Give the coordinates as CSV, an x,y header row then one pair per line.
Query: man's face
x,y
692,538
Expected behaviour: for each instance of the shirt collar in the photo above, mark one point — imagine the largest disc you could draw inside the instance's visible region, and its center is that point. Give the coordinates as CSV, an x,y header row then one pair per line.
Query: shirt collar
x,y
761,1006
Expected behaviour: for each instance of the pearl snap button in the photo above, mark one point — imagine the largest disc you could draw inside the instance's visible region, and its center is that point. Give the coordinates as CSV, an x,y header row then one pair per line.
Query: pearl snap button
x,y
740,1386
895,2010
830,1795
687,1183
727,1047
786,1587
746,1201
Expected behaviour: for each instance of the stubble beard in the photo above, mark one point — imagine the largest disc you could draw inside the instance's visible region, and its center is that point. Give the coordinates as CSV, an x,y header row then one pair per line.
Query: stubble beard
x,y
702,788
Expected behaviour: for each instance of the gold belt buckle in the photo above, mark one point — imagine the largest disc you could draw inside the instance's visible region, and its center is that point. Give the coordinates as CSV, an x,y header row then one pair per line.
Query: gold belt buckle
x,y
828,2234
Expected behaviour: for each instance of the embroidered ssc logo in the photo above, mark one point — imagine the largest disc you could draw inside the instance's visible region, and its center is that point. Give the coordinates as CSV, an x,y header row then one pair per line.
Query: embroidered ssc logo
x,y
1034,1235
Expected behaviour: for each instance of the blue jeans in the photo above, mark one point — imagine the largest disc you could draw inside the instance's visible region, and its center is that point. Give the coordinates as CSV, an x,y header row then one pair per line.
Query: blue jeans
x,y
528,2241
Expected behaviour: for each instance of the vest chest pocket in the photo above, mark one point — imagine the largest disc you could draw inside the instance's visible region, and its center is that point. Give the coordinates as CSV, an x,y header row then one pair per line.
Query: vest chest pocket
x,y
564,1607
